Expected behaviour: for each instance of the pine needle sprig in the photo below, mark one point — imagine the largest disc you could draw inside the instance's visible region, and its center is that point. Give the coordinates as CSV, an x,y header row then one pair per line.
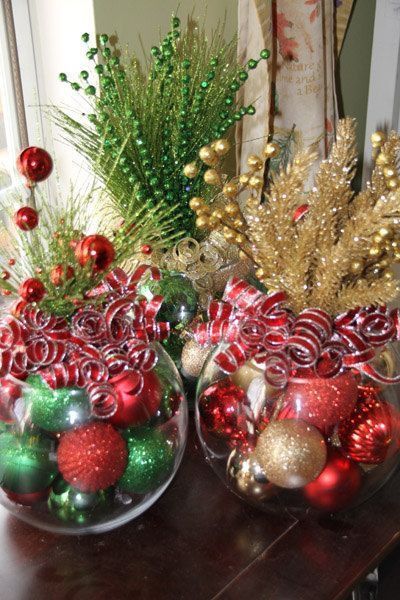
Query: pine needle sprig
x,y
146,123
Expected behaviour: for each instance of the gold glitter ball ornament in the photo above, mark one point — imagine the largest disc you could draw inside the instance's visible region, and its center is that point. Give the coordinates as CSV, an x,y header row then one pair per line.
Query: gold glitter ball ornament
x,y
193,357
221,147
271,150
211,177
191,170
254,162
291,453
378,138
208,156
196,202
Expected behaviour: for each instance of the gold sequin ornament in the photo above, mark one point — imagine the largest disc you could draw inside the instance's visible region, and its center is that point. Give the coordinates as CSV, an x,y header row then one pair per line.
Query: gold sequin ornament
x,y
193,357
191,170
291,452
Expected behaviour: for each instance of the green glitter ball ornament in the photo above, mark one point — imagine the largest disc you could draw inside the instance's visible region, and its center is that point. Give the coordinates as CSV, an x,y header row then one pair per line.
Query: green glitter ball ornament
x,y
150,461
69,504
25,462
55,410
180,299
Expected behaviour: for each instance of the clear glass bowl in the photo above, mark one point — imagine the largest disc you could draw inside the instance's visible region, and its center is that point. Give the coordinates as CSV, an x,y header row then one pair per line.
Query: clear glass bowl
x,y
63,470
328,444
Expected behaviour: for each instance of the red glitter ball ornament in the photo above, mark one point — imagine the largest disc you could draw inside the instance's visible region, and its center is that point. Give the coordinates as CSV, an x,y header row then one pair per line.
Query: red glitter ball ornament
x,y
222,410
135,409
96,249
32,290
92,457
26,218
35,164
322,402
9,393
337,484
59,274
371,430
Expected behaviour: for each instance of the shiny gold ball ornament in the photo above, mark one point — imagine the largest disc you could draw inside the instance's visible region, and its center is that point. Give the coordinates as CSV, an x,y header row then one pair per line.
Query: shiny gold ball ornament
x,y
230,190
271,150
378,138
256,182
191,170
208,156
196,202
221,147
291,453
246,477
212,177
193,357
254,162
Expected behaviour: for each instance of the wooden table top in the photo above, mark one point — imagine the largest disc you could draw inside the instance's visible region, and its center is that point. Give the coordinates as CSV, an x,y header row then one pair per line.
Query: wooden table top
x,y
200,542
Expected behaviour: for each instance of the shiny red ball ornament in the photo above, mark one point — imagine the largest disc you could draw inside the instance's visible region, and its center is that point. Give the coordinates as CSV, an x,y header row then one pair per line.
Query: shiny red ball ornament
x,y
32,290
322,402
135,408
337,485
9,394
27,499
92,457
59,274
35,164
222,411
95,249
26,218
371,431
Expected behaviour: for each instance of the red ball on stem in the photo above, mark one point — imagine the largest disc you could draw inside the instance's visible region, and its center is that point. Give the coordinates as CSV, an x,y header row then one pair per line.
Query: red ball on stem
x,y
32,290
95,249
35,164
26,218
59,274
337,484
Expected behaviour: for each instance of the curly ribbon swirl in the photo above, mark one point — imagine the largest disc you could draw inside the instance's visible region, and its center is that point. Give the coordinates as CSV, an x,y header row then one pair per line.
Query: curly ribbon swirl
x,y
257,326
98,345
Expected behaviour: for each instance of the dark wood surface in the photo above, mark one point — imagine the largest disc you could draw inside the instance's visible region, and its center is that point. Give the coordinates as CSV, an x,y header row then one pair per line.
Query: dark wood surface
x,y
200,542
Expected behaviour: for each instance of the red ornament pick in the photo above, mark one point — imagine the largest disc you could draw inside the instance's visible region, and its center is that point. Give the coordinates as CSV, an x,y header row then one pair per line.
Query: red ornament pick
x,y
222,411
92,457
59,274
371,430
322,402
337,485
32,290
135,408
35,164
96,249
26,218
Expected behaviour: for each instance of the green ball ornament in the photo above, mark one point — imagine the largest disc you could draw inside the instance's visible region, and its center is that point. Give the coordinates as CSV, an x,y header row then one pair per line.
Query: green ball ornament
x,y
55,410
85,37
150,461
63,77
69,504
180,298
26,465
103,39
252,64
265,53
90,90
